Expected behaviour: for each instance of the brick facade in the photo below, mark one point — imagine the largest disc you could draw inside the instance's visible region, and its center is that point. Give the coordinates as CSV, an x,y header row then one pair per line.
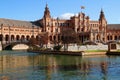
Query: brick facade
x,y
88,30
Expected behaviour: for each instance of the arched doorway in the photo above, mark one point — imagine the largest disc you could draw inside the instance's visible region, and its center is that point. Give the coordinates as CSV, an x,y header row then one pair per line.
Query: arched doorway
x,y
115,37
27,38
98,37
22,38
111,37
32,36
108,38
6,37
59,37
12,38
118,37
50,38
17,38
54,38
37,38
1,37
62,37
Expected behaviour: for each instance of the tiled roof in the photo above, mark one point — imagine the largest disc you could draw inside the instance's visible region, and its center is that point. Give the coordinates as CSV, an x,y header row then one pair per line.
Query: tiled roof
x,y
18,23
113,26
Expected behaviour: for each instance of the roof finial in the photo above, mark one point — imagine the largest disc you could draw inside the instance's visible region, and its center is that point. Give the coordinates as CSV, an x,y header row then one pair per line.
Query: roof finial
x,y
46,4
101,10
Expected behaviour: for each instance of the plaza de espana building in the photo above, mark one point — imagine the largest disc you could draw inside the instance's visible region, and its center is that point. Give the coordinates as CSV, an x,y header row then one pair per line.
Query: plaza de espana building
x,y
88,30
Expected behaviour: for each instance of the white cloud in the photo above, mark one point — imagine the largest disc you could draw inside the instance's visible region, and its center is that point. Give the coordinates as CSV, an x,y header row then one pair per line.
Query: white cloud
x,y
66,15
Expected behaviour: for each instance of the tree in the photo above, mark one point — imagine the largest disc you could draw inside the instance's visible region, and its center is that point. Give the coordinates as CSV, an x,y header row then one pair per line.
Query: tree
x,y
69,36
43,39
33,41
34,44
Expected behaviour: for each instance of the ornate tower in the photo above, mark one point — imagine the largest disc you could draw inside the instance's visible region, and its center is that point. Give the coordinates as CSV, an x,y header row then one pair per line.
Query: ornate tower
x,y
47,12
46,18
102,26
102,18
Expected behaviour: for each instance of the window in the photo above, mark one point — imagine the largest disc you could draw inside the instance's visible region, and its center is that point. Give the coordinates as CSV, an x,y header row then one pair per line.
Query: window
x,y
56,30
115,37
110,37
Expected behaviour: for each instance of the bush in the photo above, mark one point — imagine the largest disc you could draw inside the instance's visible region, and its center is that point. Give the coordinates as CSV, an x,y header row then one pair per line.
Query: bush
x,y
57,48
36,48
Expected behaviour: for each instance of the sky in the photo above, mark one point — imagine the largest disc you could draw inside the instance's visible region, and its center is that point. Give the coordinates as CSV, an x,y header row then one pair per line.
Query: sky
x,y
30,10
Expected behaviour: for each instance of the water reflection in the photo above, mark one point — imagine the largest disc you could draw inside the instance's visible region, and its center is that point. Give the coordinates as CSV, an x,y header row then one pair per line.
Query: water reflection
x,y
30,66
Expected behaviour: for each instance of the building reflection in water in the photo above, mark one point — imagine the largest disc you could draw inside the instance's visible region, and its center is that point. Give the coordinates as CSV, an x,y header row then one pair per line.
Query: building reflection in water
x,y
104,69
4,78
49,67
10,65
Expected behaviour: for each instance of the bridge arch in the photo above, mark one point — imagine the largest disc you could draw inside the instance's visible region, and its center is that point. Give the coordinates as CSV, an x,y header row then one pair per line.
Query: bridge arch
x,y
16,46
20,47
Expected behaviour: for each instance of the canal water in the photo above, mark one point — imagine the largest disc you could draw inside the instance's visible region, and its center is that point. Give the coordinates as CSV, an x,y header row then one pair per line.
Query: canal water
x,y
21,65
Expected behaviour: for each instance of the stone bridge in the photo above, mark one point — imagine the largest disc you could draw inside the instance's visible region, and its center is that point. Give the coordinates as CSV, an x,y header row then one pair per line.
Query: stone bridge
x,y
15,46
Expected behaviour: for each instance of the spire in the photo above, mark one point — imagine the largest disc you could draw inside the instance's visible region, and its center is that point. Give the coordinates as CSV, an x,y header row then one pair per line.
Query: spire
x,y
46,5
102,11
102,16
47,12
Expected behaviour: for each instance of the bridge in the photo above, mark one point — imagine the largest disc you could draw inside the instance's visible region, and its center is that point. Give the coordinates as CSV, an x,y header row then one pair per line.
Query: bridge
x,y
15,46
9,42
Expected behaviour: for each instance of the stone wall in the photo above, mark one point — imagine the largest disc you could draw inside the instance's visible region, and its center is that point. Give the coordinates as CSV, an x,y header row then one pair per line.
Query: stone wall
x,y
89,47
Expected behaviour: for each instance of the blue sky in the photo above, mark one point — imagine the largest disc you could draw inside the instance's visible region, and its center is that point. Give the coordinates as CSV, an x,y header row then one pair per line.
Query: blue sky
x,y
31,10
